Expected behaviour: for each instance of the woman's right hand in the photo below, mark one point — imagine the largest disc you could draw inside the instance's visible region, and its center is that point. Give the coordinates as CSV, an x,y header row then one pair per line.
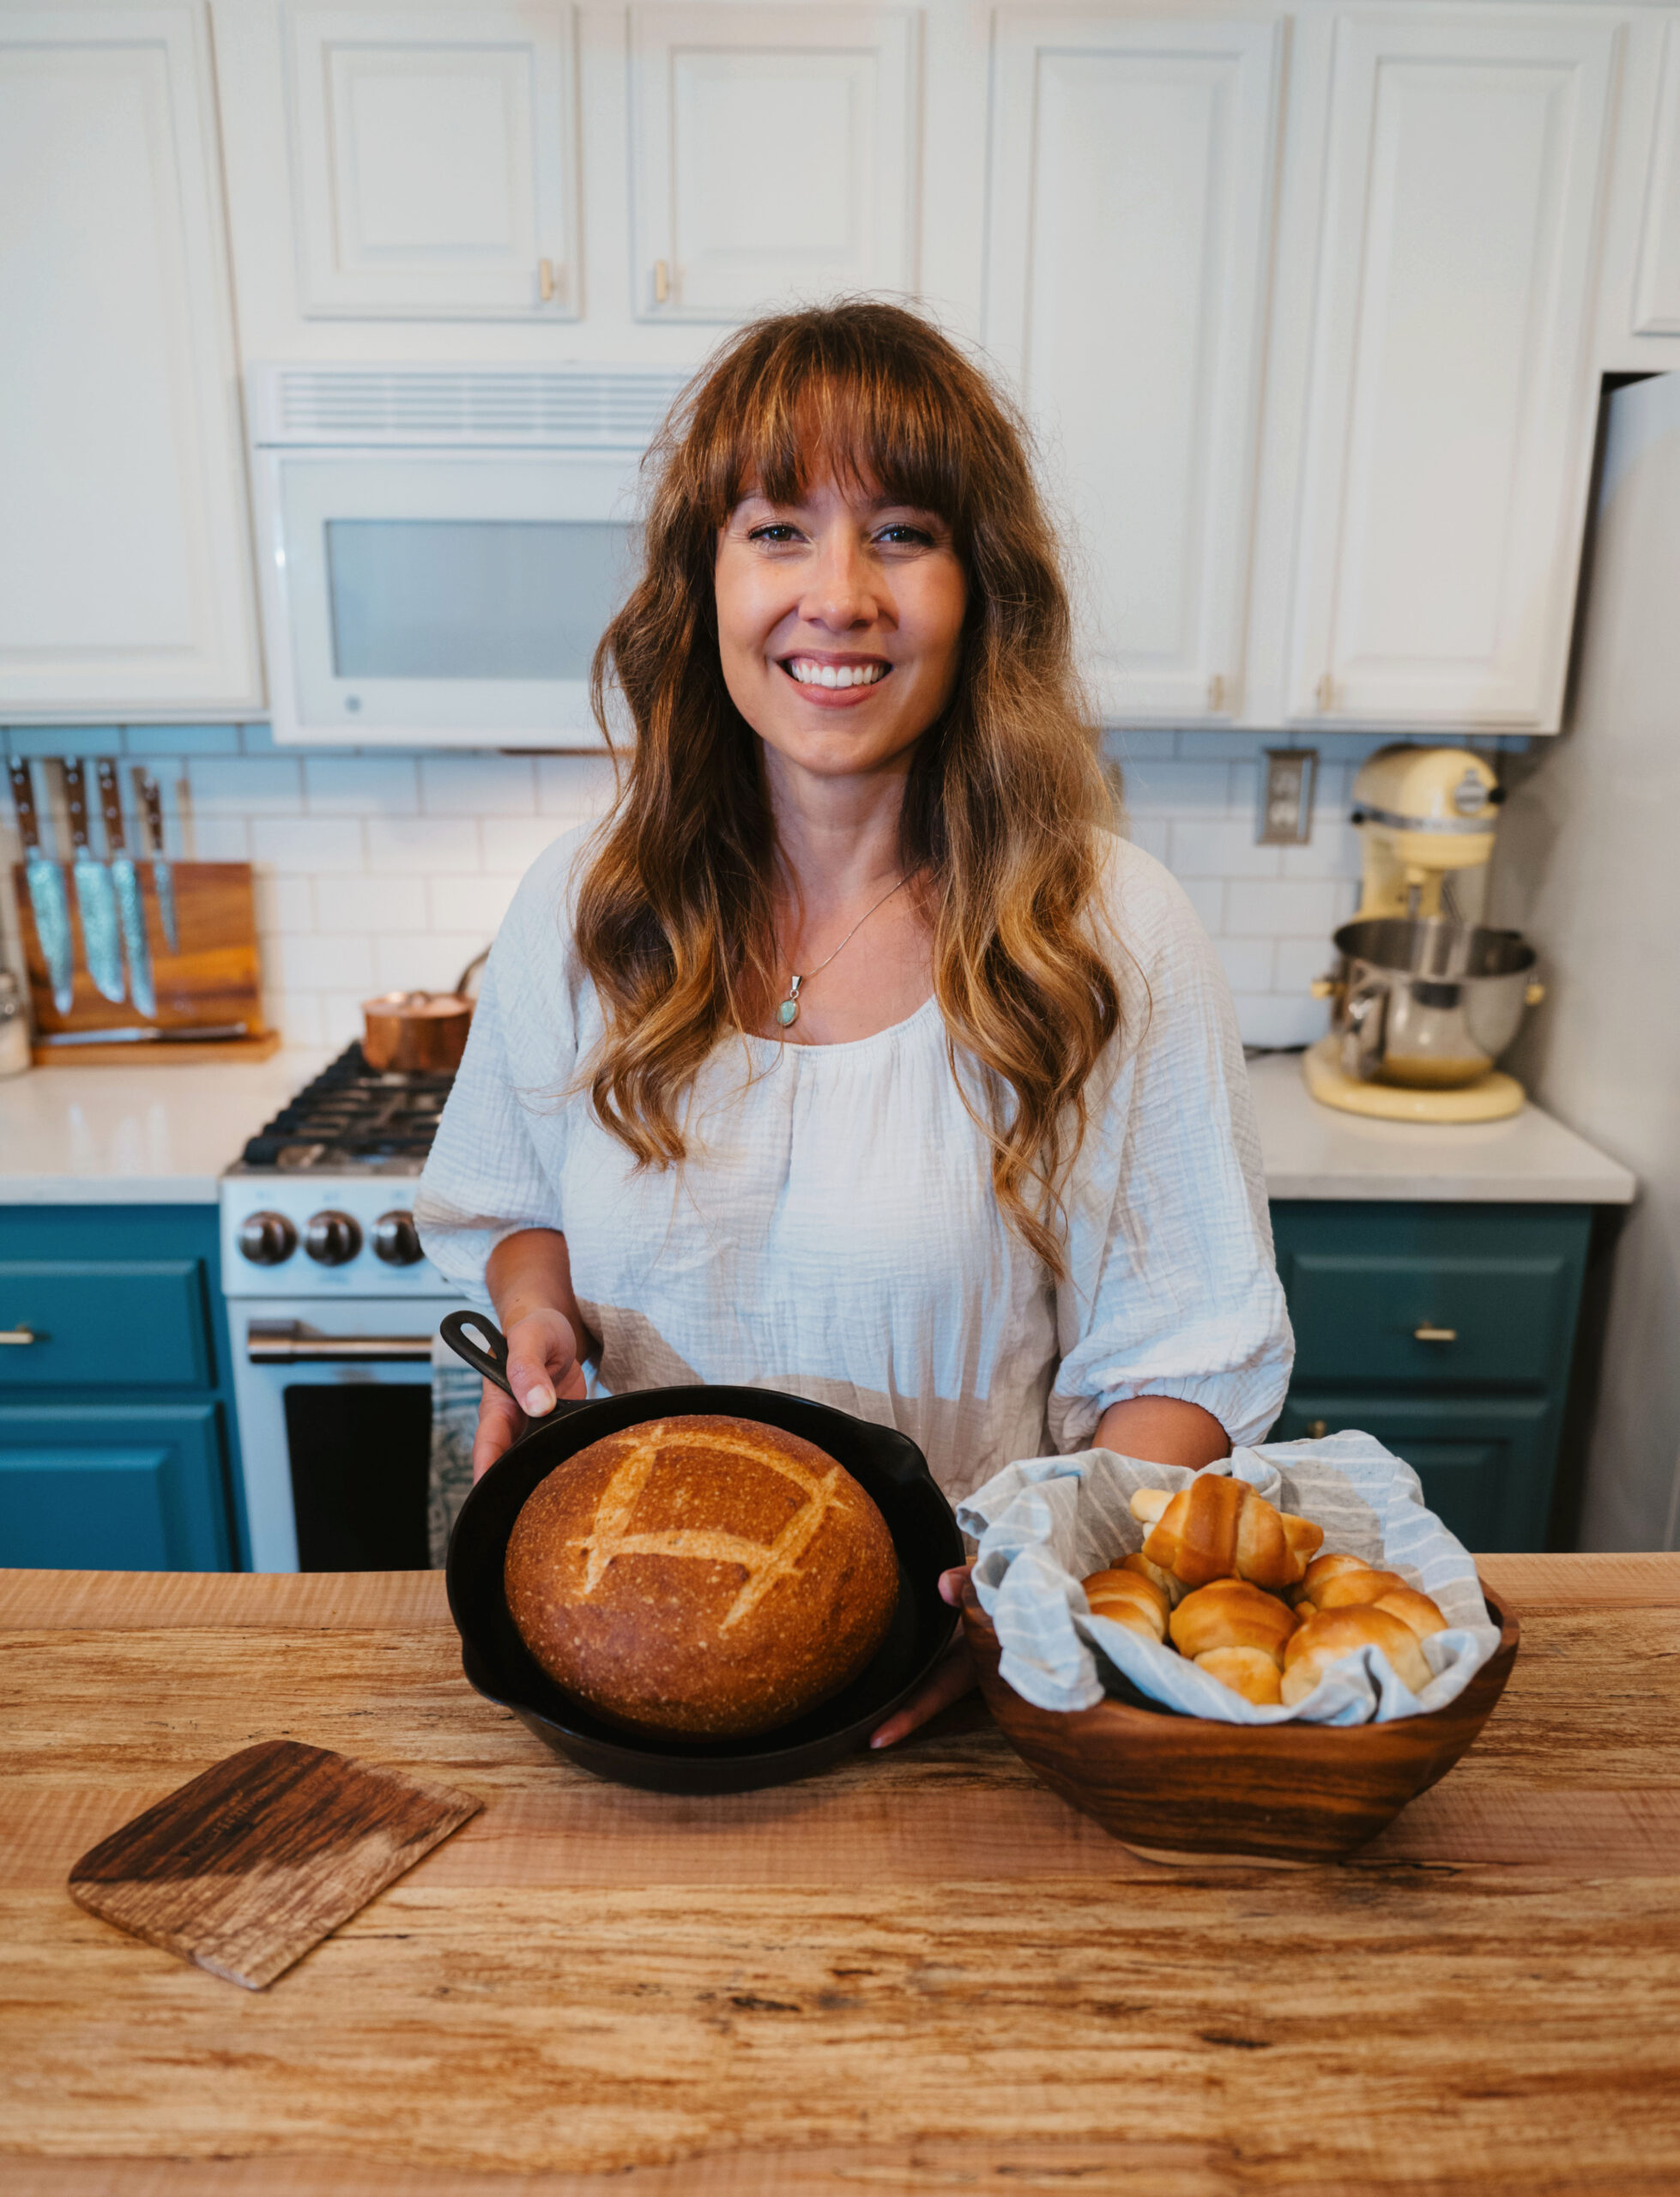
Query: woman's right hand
x,y
543,1367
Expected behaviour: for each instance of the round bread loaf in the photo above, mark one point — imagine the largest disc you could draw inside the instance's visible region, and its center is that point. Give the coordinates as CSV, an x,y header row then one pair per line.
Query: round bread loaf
x,y
705,1577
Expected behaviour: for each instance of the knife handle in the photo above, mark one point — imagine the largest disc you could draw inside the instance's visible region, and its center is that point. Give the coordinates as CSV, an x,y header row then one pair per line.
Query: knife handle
x,y
111,805
75,797
24,800
151,802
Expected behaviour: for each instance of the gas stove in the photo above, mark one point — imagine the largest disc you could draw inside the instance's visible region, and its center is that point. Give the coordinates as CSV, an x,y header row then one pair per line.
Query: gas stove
x,y
321,1203
332,1307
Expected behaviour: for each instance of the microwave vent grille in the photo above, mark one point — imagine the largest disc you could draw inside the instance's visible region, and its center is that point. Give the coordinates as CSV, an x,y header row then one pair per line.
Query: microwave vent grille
x,y
615,407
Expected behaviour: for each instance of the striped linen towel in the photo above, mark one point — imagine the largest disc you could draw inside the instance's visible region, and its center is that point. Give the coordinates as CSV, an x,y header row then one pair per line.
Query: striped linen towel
x,y
1046,1524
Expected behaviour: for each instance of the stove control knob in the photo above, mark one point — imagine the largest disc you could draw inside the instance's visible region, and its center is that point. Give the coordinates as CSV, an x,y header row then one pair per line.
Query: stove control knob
x,y
332,1240
267,1240
396,1240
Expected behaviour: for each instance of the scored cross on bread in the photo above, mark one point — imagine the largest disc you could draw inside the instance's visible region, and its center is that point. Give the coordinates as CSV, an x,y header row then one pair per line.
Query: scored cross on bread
x,y
1219,1528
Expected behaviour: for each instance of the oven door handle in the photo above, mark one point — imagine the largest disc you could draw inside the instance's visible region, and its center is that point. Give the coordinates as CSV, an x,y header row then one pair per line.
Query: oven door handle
x,y
290,1342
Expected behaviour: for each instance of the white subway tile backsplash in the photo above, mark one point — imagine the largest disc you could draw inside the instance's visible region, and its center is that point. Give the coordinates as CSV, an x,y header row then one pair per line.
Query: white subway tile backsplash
x,y
245,785
428,961
321,961
574,785
361,785
478,785
428,845
1248,963
1280,907
307,844
374,905
511,844
466,904
378,870
1221,846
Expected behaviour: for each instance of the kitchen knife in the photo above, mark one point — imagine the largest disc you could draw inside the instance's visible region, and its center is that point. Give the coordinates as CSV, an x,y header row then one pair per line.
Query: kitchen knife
x,y
48,896
163,878
176,1034
126,879
95,899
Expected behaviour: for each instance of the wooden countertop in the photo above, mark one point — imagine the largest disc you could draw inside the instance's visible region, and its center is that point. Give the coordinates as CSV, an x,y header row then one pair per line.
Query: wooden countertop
x,y
917,1973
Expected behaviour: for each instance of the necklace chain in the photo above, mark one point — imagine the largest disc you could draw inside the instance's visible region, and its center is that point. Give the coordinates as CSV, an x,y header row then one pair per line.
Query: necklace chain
x,y
787,1013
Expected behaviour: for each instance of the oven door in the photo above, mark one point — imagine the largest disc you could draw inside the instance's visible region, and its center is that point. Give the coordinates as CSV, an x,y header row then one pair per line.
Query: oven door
x,y
335,1406
431,598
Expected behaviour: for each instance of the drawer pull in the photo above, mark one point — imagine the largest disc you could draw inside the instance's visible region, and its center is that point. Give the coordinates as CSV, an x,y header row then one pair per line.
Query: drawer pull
x,y
1317,1428
289,1342
1427,1333
20,1335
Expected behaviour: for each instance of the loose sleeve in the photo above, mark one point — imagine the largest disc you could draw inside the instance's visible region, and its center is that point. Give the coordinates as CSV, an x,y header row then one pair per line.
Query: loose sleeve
x,y
494,1165
1172,1288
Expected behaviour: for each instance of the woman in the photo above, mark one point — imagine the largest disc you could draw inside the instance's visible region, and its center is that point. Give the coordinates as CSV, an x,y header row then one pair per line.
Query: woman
x,y
853,1054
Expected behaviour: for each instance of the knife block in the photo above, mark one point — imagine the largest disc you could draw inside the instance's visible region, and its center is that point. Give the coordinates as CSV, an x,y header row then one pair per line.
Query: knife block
x,y
213,978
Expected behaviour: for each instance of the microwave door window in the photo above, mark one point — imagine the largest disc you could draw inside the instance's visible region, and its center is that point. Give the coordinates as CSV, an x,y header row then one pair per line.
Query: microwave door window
x,y
419,598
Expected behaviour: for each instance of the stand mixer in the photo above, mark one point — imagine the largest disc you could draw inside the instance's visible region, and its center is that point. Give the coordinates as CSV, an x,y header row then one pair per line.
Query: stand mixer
x,y
1426,997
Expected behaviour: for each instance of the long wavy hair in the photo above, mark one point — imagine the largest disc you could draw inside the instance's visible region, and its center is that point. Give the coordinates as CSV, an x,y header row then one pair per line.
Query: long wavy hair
x,y
1005,794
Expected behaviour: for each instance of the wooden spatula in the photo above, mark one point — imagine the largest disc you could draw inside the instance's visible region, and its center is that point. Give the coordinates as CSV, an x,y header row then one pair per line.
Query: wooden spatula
x,y
247,1866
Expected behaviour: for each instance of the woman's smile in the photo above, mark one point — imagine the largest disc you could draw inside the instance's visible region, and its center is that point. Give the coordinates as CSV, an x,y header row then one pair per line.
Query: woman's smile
x,y
835,681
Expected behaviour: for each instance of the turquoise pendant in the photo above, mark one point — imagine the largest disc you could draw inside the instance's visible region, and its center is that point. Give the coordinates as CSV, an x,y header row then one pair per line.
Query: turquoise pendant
x,y
787,1012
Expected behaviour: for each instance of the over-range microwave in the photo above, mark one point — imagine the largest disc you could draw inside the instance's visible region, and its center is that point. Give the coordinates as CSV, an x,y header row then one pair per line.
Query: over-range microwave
x,y
440,548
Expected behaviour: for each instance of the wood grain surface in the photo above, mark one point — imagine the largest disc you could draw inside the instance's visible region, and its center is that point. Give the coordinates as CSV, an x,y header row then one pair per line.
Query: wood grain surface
x,y
248,1865
917,1973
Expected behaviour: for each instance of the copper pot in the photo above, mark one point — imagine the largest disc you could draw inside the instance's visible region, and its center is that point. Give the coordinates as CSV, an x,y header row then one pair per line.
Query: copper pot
x,y
423,1032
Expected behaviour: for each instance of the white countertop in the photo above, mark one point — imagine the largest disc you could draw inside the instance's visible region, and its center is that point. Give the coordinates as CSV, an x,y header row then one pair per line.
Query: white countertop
x,y
144,1135
162,1136
1314,1151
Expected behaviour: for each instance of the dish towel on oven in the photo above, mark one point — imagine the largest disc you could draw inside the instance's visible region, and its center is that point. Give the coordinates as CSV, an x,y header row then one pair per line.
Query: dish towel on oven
x,y
1047,1523
455,1394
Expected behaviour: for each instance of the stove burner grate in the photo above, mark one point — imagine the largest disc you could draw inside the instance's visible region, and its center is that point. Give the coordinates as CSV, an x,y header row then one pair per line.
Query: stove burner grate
x,y
353,1117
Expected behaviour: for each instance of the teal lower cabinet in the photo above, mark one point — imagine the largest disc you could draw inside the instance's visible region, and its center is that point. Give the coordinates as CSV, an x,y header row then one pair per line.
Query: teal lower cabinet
x,y
1448,1332
114,1487
117,1429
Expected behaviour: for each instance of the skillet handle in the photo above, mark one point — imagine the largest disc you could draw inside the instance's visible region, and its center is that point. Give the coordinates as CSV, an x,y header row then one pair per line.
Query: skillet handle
x,y
490,1357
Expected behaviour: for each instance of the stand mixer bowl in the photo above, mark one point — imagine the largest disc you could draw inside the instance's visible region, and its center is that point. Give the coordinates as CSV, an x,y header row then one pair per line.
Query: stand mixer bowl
x,y
1431,1004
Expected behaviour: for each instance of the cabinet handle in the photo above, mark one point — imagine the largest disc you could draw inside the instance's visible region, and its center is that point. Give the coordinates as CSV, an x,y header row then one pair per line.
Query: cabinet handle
x,y
1427,1333
662,282
20,1335
545,280
1216,691
1317,1428
1326,692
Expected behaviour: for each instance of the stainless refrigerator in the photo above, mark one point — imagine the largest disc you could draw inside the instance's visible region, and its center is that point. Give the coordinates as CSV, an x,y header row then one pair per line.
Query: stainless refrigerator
x,y
1589,865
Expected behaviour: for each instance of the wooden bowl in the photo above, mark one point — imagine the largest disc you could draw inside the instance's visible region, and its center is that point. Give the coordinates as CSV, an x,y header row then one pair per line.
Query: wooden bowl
x,y
1176,1787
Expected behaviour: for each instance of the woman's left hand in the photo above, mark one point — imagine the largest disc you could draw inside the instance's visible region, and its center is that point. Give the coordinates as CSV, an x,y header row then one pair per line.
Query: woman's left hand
x,y
954,1674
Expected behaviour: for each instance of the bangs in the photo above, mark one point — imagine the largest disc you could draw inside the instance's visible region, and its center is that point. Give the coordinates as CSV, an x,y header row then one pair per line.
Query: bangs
x,y
875,416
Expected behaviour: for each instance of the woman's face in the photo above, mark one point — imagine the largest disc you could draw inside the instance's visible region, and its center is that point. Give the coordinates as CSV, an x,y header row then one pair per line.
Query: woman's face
x,y
839,622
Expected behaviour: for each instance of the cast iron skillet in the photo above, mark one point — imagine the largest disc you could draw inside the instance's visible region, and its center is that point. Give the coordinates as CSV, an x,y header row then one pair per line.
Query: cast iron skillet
x,y
498,1663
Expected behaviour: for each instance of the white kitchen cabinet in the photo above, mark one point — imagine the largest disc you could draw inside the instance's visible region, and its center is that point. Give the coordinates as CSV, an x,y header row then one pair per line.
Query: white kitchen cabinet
x,y
1453,389
1657,285
773,156
434,162
1130,218
126,570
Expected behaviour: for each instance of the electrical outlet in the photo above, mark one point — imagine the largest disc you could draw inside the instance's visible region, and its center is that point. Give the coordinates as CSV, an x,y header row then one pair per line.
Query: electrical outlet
x,y
1285,818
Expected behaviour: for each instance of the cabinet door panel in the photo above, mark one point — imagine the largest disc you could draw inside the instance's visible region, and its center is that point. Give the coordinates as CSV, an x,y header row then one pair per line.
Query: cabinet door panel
x,y
102,1324
1453,400
1440,1318
1656,298
434,158
774,156
1486,1463
1130,214
124,1488
125,577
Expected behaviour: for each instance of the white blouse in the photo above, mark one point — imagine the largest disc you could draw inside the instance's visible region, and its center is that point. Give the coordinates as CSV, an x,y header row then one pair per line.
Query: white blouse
x,y
833,1231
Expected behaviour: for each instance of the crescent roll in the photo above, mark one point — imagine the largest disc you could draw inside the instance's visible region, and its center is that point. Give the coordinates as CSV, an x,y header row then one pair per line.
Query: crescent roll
x,y
1173,1589
1329,1566
1231,1613
1326,1638
1219,1528
1129,1600
1247,1671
